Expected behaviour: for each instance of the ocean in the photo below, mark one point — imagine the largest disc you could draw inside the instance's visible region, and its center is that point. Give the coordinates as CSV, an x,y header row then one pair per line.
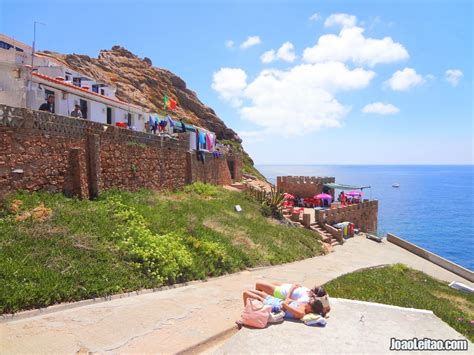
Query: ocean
x,y
433,207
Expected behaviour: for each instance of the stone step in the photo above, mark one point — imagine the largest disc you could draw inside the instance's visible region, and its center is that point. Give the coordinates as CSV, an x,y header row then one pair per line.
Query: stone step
x,y
239,186
335,242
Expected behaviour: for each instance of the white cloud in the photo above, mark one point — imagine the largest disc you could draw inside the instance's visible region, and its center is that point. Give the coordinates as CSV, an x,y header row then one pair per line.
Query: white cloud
x,y
403,80
230,83
229,44
453,76
314,17
268,56
351,45
286,52
250,42
380,108
343,20
299,100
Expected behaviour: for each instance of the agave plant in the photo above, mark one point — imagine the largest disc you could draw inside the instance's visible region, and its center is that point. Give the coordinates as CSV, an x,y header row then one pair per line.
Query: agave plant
x,y
274,200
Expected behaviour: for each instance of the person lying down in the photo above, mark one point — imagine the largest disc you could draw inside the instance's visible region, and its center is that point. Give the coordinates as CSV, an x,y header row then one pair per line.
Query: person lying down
x,y
296,292
296,301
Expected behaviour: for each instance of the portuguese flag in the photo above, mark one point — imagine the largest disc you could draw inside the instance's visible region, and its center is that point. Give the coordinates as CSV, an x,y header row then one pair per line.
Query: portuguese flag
x,y
169,104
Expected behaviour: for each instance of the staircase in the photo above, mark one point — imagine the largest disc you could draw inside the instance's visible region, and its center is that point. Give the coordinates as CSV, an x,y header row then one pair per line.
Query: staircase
x,y
326,236
239,185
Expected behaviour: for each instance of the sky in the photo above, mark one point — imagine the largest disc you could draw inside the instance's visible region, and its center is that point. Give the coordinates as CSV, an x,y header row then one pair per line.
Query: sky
x,y
301,82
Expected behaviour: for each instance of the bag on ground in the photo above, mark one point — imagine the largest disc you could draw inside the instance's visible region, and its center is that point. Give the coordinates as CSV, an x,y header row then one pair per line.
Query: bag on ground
x,y
255,314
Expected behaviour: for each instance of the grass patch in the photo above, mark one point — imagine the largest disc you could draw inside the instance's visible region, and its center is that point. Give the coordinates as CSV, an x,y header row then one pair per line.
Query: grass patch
x,y
402,286
127,241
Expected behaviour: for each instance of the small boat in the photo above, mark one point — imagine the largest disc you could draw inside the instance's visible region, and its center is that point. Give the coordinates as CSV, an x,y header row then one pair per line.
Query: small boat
x,y
396,185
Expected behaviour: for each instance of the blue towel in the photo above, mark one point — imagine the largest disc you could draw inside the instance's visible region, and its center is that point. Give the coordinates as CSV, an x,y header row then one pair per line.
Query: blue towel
x,y
202,138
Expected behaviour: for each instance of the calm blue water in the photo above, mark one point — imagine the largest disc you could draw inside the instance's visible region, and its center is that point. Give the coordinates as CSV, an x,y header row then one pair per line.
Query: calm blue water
x,y
433,208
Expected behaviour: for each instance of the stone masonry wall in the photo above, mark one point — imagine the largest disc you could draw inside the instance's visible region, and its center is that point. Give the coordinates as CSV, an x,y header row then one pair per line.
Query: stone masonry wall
x,y
213,170
40,151
302,186
364,215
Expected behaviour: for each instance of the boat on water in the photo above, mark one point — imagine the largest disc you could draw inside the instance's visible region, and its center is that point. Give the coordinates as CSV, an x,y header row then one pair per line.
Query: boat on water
x,y
396,185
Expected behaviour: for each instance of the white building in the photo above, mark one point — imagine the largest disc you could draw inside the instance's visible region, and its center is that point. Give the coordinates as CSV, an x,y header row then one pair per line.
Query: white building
x,y
22,88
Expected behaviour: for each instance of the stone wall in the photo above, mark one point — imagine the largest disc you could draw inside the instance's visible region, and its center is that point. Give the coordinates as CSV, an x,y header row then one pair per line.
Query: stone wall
x,y
302,186
40,151
211,170
364,215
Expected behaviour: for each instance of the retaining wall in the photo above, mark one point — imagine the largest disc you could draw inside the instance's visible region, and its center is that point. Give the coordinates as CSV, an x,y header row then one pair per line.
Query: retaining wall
x,y
435,259
364,215
41,151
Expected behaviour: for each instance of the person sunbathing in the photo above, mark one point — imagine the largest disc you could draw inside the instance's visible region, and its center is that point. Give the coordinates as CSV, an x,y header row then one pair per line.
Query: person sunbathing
x,y
295,292
293,308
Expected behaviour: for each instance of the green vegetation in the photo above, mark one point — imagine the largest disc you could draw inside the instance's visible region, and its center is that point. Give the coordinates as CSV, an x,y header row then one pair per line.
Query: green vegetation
x,y
55,249
402,286
272,201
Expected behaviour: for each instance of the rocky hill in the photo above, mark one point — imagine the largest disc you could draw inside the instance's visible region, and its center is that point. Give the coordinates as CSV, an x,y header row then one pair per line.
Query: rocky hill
x,y
139,82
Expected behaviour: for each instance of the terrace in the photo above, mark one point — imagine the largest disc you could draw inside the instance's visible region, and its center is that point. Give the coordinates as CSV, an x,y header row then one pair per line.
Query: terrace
x,y
316,207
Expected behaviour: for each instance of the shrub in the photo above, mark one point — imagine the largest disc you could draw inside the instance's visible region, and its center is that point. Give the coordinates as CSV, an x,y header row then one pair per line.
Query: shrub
x,y
266,210
163,257
201,188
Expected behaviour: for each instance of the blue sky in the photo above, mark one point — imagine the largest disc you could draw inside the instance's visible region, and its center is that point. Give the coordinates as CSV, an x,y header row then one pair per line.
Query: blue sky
x,y
306,107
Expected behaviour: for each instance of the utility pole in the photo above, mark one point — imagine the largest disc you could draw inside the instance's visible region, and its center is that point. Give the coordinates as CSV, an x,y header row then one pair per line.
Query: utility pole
x,y
30,84
34,41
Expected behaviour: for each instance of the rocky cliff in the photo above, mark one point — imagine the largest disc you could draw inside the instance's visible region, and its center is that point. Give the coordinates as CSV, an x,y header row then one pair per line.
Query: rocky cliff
x,y
139,82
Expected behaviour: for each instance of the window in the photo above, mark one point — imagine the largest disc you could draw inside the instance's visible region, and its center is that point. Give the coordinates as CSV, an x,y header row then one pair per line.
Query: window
x,y
76,81
95,88
129,119
5,45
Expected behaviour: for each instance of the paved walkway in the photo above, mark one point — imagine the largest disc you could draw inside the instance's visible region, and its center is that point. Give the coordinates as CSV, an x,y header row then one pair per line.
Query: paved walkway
x,y
353,326
173,320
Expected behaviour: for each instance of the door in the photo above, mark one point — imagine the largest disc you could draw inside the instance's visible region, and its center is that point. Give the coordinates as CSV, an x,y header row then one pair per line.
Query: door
x,y
83,104
48,93
109,115
230,164
129,120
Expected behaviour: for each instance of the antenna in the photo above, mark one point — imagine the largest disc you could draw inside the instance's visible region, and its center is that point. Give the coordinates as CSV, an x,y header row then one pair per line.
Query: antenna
x,y
34,42
30,84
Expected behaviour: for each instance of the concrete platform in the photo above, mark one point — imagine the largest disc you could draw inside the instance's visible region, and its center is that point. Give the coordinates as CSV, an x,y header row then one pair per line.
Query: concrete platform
x,y
354,327
174,320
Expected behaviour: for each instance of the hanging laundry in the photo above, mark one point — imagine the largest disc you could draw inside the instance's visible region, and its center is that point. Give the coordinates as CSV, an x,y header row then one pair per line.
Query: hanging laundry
x,y
209,141
171,122
202,138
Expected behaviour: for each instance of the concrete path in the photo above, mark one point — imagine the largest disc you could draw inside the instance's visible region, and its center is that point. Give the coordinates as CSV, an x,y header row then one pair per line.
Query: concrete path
x,y
173,320
353,327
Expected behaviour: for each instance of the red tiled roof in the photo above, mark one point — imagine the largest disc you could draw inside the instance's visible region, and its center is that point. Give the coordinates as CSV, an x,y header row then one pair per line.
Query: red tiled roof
x,y
59,82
